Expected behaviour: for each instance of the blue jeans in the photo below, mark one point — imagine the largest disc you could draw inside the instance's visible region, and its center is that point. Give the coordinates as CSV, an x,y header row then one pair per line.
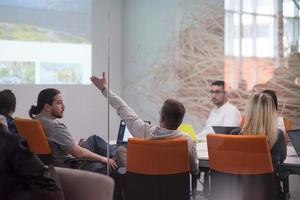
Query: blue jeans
x,y
97,145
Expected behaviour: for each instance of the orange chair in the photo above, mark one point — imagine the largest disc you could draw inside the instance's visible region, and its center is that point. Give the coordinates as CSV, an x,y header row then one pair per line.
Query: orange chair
x,y
33,132
157,169
241,167
288,126
36,138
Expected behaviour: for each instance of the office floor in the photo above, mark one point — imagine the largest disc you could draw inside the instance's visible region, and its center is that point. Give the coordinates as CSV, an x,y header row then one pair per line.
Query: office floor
x,y
294,189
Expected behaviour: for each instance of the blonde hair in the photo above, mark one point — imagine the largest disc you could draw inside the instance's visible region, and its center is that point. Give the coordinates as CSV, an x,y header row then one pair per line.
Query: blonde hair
x,y
261,118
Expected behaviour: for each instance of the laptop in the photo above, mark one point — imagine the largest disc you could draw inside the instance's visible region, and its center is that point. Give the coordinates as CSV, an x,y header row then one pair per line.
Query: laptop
x,y
124,134
224,129
295,139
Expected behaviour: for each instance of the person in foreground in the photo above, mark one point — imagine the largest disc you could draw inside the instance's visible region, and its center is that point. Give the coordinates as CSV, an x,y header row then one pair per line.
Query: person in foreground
x,y
223,114
7,109
49,109
23,175
171,116
261,118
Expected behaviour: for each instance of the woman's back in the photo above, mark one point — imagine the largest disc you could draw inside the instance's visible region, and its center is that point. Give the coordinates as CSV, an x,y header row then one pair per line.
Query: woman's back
x,y
278,150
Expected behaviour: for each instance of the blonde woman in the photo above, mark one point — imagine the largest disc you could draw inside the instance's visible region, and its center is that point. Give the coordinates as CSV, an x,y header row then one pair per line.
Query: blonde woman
x,y
261,118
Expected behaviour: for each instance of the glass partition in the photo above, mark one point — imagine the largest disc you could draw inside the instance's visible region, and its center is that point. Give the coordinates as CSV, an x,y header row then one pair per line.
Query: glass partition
x,y
175,49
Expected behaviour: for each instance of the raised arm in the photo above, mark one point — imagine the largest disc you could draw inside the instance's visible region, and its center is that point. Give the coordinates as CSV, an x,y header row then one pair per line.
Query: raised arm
x,y
136,126
100,83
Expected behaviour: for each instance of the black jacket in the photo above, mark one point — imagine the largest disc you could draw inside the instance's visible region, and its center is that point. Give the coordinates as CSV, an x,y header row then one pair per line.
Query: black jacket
x,y
21,172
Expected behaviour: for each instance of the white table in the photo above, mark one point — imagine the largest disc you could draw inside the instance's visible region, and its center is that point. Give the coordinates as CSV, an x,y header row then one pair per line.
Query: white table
x,y
292,161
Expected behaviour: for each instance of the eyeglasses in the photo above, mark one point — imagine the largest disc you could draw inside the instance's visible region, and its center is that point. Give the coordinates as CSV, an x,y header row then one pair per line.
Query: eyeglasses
x,y
216,91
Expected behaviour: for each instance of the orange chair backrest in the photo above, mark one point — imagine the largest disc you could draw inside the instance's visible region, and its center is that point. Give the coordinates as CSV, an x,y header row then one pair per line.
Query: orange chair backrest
x,y
33,132
157,157
239,154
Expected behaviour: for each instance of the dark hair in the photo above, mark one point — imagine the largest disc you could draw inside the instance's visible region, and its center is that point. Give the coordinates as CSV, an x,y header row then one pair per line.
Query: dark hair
x,y
273,95
46,96
173,112
219,83
7,102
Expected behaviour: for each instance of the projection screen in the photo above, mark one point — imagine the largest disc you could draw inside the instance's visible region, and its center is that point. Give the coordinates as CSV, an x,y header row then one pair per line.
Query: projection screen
x,y
45,41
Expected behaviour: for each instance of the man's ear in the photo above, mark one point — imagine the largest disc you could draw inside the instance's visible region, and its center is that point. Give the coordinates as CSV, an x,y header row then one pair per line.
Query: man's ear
x,y
47,107
162,118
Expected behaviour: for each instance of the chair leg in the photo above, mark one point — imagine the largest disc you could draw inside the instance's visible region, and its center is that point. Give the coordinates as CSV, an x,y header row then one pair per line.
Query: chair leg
x,y
122,173
206,184
286,186
194,186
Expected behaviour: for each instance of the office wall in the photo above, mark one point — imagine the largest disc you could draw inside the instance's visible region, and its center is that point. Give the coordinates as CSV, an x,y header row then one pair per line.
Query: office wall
x,y
86,108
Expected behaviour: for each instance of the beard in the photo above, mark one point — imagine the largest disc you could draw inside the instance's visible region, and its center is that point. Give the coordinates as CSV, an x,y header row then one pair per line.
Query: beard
x,y
57,114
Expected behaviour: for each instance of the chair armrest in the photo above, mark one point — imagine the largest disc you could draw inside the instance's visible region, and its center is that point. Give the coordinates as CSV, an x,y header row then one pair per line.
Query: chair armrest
x,y
82,185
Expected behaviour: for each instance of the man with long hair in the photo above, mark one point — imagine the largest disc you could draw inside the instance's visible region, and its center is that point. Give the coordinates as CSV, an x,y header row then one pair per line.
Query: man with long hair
x,y
50,107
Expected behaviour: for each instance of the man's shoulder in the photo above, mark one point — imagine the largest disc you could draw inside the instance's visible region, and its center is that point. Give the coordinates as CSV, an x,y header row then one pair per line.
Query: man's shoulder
x,y
230,107
49,122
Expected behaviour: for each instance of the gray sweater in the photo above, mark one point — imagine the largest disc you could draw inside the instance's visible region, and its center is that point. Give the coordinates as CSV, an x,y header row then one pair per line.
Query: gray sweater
x,y
140,129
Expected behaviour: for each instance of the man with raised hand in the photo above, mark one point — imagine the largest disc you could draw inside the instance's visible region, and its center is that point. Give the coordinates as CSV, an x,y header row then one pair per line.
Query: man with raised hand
x,y
171,116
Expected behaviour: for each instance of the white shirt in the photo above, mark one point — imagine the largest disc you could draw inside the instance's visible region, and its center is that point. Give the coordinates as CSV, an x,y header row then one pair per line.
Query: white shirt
x,y
226,115
280,124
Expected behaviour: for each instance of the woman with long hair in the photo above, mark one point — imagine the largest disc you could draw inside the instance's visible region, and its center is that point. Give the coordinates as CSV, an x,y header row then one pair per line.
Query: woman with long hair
x,y
261,119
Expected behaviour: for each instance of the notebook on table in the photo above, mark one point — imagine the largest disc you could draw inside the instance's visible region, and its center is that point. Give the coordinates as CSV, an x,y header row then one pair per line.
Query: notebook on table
x,y
295,140
224,129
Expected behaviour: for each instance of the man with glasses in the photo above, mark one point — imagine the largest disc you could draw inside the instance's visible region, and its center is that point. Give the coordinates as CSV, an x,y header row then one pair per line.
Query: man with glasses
x,y
223,114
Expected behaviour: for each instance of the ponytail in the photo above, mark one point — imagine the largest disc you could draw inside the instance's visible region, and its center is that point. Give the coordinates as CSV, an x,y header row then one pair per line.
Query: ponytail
x,y
34,110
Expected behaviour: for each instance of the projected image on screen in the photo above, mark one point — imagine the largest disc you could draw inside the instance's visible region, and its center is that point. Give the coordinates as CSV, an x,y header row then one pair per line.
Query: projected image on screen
x,y
17,72
59,73
45,41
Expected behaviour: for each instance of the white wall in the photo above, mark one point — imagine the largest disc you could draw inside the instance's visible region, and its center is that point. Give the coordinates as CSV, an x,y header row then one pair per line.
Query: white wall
x,y
86,108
